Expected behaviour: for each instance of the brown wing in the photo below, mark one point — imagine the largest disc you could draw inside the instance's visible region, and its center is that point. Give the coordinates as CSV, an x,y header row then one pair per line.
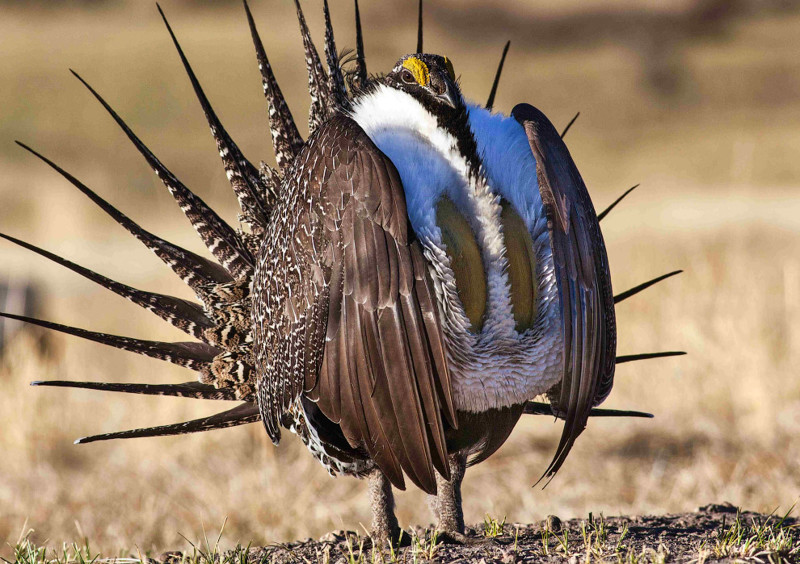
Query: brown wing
x,y
584,283
363,315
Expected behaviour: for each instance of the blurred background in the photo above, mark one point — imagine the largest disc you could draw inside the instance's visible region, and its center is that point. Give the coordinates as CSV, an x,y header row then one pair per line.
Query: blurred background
x,y
699,101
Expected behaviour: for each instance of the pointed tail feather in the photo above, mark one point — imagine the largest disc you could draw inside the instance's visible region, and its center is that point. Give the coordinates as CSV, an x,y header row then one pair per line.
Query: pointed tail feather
x,y
243,176
569,125
193,355
335,77
184,315
490,101
317,79
647,356
223,242
541,408
419,28
195,271
195,390
286,139
643,286
604,213
361,59
240,415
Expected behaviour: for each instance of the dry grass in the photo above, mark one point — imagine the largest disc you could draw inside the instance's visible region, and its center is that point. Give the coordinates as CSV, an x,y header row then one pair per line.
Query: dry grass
x,y
717,158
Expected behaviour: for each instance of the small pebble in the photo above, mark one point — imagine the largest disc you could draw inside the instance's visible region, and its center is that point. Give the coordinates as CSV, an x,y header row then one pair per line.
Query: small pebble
x,y
553,524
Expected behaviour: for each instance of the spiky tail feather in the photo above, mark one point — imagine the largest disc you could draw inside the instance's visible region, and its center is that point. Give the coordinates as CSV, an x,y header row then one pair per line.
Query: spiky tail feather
x,y
542,408
195,271
223,242
496,82
243,176
195,390
336,85
186,316
240,415
647,356
317,79
604,213
193,355
286,139
361,59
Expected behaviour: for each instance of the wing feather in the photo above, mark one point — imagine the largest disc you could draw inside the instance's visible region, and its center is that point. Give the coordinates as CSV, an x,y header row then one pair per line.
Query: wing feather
x,y
383,376
584,284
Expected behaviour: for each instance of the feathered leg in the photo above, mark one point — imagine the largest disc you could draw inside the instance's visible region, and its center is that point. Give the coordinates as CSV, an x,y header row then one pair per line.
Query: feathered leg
x,y
446,504
385,529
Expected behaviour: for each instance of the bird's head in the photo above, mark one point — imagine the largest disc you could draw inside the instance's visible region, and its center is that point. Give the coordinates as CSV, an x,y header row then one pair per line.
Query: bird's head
x,y
430,79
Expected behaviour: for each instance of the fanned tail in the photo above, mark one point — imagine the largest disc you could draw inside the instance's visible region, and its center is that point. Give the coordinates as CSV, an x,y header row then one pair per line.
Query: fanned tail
x,y
186,316
286,139
242,414
193,355
195,271
223,242
194,390
243,176
317,79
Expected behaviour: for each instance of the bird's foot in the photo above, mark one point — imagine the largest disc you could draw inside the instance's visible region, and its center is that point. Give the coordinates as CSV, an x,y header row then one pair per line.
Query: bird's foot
x,y
389,538
454,537
463,539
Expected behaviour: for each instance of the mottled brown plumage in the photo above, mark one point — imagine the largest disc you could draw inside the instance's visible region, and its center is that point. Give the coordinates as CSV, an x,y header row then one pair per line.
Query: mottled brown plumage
x,y
359,291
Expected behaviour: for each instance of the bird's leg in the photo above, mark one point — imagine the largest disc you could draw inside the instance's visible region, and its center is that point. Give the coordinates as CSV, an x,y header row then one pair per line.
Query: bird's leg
x,y
385,529
446,504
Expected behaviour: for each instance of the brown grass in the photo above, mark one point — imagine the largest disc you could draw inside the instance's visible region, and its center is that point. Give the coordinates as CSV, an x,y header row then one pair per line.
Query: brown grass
x,y
717,157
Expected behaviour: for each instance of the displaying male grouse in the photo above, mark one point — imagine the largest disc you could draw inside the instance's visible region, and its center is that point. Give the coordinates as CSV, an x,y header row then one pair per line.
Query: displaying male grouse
x,y
413,275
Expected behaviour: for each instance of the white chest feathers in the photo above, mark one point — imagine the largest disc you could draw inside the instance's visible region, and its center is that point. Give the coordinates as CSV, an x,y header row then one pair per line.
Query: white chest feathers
x,y
485,238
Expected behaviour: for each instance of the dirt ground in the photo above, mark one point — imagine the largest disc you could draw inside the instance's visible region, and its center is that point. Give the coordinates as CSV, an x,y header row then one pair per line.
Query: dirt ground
x,y
714,533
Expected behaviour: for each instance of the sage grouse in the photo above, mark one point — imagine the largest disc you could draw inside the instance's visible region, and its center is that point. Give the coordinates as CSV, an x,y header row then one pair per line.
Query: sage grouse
x,y
412,275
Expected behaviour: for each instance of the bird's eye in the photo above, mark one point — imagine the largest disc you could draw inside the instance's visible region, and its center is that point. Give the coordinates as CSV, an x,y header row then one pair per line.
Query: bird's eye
x,y
407,76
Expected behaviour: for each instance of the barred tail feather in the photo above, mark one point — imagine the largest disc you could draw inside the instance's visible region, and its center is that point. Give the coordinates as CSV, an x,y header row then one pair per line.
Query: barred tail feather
x,y
335,78
193,355
186,316
195,271
195,390
240,415
223,242
317,79
286,139
243,176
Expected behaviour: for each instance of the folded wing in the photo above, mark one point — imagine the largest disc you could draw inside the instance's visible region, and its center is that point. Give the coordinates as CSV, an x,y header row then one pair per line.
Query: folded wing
x,y
584,283
358,330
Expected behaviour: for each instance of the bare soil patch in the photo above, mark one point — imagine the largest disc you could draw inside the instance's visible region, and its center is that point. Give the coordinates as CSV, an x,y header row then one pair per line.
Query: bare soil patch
x,y
714,533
